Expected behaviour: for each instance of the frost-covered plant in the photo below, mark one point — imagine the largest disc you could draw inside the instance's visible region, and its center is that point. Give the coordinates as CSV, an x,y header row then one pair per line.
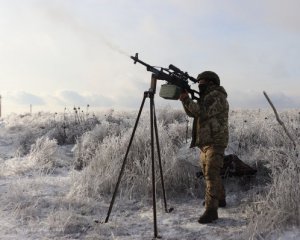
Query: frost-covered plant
x,y
168,115
277,207
87,144
43,154
100,176
24,141
66,222
255,130
65,128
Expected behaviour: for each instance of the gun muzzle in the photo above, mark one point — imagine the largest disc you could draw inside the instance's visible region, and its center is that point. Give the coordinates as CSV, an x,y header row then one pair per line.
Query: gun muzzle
x,y
135,58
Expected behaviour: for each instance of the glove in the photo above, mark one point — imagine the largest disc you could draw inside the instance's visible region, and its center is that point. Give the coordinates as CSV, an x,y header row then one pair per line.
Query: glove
x,y
183,95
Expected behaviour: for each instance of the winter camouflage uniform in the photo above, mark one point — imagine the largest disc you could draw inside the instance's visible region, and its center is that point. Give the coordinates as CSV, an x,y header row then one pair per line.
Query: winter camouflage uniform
x,y
210,134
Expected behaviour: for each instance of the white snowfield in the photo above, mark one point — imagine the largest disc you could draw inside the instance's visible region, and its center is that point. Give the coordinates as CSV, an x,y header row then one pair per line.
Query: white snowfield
x,y
42,196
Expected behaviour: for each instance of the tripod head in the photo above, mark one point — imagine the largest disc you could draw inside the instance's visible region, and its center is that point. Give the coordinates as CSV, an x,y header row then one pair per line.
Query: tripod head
x,y
152,88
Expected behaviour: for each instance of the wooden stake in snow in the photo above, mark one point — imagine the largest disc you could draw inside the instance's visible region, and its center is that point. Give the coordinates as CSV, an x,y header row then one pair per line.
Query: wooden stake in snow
x,y
279,120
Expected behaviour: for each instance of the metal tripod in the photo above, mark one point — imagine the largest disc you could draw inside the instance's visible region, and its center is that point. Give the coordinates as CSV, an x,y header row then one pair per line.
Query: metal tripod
x,y
153,124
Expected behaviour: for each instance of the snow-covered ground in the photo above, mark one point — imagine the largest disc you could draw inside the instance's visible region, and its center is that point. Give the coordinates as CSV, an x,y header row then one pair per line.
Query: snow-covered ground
x,y
42,211
36,202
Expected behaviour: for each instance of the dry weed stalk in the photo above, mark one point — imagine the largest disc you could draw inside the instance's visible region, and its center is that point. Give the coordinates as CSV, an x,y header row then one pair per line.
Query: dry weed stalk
x,y
279,120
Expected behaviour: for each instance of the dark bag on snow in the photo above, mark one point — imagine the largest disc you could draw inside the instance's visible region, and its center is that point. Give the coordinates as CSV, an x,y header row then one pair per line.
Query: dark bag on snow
x,y
233,166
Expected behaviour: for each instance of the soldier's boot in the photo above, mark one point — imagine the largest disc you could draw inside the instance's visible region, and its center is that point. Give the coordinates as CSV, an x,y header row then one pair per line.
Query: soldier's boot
x,y
208,216
211,211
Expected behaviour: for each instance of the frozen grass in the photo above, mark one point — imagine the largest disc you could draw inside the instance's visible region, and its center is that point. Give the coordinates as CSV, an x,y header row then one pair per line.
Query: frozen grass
x,y
277,206
43,154
42,197
42,158
65,128
105,157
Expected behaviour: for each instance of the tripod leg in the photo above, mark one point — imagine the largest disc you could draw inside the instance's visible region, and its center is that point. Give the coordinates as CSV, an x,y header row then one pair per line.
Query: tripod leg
x,y
125,159
160,165
153,165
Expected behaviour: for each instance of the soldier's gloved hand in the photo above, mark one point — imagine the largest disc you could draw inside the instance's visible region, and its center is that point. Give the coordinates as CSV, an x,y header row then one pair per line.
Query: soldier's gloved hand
x,y
183,95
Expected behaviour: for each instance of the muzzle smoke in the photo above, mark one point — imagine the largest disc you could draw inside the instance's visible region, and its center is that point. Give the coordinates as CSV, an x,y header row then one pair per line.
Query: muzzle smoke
x,y
63,17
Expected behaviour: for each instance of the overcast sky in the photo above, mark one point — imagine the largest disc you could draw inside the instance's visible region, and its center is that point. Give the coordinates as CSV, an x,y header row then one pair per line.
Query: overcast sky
x,y
64,53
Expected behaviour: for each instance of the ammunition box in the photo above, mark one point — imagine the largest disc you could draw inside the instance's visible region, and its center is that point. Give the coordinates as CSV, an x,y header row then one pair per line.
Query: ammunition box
x,y
169,91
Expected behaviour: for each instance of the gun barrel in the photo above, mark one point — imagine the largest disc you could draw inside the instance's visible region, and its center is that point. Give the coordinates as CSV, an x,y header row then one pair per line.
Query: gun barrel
x,y
136,59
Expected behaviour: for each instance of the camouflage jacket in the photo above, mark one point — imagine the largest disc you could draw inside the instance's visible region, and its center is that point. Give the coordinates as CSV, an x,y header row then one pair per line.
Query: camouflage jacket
x,y
210,113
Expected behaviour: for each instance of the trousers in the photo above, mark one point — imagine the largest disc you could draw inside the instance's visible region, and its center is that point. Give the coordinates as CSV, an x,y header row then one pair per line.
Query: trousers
x,y
211,162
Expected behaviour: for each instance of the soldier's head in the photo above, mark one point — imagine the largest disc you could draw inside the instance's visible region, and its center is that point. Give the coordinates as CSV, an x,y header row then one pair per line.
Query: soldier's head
x,y
207,78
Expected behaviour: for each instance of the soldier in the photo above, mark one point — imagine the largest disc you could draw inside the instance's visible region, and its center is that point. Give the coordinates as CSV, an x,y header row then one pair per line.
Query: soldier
x,y
210,134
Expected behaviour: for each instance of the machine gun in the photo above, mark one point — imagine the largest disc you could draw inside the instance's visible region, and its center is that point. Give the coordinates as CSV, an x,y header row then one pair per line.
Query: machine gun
x,y
177,80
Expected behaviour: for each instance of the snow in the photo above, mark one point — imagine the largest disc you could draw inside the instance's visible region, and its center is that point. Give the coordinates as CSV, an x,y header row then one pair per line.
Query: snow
x,y
47,209
38,205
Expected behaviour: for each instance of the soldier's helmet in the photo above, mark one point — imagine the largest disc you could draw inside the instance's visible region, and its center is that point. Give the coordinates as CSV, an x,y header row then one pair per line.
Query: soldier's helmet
x,y
210,76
